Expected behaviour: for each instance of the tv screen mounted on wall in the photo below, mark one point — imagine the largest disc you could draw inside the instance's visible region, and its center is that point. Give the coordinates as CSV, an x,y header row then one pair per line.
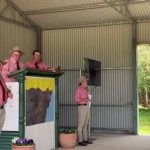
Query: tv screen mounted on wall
x,y
92,69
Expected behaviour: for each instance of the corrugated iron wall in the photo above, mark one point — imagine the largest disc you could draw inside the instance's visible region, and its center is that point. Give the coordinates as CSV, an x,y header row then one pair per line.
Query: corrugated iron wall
x,y
100,43
112,102
112,106
12,35
143,32
15,34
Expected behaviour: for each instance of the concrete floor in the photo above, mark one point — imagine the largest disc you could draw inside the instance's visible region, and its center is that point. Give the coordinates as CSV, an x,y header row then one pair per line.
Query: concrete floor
x,y
116,142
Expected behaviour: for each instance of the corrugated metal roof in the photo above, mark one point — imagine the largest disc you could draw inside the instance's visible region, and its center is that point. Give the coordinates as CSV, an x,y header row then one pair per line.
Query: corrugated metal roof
x,y
51,14
77,18
140,11
28,5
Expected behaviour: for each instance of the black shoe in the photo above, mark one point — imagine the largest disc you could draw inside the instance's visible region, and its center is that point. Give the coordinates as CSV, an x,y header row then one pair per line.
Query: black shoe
x,y
82,144
88,142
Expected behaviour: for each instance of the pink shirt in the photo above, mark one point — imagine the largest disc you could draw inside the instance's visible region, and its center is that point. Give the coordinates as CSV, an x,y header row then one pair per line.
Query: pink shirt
x,y
9,67
31,64
81,95
3,91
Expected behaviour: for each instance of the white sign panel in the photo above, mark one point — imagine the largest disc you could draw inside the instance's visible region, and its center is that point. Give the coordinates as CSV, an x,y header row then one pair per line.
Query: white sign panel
x,y
12,109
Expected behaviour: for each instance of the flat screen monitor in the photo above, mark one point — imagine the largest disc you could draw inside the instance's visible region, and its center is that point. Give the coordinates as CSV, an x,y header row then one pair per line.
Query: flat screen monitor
x,y
92,69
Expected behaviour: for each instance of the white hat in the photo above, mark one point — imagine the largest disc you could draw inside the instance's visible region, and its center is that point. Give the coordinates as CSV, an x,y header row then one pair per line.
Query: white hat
x,y
16,49
82,79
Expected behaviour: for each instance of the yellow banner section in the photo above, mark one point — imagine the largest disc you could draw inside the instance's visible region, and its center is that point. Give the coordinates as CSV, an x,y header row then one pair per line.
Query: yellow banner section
x,y
41,83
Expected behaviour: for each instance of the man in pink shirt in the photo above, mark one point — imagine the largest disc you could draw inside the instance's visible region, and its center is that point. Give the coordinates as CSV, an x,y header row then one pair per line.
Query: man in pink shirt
x,y
36,62
4,94
13,64
82,100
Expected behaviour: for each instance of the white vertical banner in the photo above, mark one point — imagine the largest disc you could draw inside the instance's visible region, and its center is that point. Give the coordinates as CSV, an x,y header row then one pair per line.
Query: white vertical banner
x,y
12,108
40,111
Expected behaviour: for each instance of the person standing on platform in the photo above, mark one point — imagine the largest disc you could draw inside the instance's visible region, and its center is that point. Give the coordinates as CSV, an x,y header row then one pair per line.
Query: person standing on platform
x,y
4,94
82,100
13,64
36,62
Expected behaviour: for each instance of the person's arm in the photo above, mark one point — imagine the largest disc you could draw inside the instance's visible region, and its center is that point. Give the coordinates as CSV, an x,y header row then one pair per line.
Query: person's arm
x,y
77,96
10,95
5,71
42,66
29,65
81,97
53,69
7,93
21,65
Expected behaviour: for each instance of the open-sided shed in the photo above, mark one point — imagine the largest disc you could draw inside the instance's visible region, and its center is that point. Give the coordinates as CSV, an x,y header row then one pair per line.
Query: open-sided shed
x,y
67,32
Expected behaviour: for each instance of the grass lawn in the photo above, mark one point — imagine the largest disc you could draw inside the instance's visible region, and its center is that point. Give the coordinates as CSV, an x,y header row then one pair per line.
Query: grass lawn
x,y
144,121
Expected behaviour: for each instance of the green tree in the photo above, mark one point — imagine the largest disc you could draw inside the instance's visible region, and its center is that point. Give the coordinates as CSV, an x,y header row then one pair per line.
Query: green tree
x,y
144,70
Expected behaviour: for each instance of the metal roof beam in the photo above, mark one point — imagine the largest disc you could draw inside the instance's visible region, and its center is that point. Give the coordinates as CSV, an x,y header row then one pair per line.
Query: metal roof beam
x,y
16,22
66,9
22,14
88,25
138,1
85,7
2,17
4,9
122,8
128,12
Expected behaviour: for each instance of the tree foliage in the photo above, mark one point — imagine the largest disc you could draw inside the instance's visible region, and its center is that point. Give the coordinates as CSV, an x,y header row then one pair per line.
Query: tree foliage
x,y
144,69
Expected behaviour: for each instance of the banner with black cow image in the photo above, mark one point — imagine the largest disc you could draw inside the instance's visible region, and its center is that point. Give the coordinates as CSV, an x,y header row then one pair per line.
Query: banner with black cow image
x,y
40,100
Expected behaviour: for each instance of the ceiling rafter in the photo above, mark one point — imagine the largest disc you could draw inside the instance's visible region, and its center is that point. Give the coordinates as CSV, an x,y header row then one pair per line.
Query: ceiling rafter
x,y
14,6
68,8
15,22
121,8
4,9
84,7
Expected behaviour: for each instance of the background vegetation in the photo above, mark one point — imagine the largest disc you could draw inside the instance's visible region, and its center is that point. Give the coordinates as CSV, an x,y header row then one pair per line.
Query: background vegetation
x,y
144,74
143,55
144,121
